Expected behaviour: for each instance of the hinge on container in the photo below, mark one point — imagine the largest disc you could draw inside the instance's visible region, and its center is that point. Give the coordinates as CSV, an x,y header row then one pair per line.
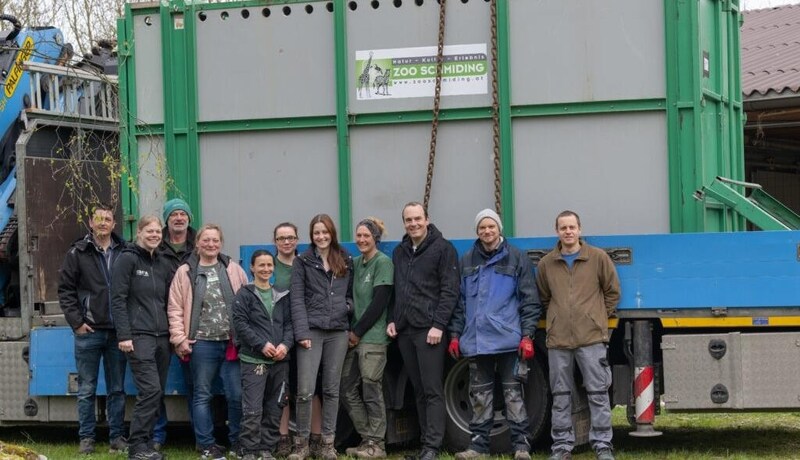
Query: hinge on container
x,y
620,256
719,311
536,255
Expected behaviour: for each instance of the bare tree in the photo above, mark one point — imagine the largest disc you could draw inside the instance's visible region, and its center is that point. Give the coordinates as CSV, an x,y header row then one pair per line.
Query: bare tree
x,y
31,13
89,21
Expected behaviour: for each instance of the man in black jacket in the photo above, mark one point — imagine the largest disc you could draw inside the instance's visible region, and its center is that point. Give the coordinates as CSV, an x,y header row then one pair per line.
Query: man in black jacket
x,y
84,296
426,292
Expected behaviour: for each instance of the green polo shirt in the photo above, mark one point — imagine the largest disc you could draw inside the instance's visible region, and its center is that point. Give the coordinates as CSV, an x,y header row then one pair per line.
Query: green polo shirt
x,y
377,271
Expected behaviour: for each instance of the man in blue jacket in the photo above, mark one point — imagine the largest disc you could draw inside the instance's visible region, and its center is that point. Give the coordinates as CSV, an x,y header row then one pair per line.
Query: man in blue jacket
x,y
493,326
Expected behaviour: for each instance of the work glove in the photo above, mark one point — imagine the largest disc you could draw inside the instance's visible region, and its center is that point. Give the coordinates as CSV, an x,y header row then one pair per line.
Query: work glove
x,y
526,348
453,349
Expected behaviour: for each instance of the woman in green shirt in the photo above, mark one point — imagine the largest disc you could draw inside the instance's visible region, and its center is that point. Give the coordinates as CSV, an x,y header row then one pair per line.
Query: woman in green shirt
x,y
362,375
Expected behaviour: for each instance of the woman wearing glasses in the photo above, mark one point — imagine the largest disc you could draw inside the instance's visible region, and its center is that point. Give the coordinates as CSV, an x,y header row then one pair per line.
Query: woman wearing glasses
x,y
322,301
285,238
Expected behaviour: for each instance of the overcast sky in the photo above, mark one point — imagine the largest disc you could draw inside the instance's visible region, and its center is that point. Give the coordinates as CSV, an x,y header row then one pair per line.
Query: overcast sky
x,y
756,4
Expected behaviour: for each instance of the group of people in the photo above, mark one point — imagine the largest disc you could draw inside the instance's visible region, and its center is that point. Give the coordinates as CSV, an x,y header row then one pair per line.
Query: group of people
x,y
174,291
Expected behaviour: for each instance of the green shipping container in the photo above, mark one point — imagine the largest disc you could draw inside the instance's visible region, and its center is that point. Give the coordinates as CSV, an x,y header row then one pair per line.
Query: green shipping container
x,y
258,112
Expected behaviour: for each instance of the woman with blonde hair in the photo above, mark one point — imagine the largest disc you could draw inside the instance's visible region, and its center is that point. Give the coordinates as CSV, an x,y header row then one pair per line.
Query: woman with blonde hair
x,y
200,326
138,301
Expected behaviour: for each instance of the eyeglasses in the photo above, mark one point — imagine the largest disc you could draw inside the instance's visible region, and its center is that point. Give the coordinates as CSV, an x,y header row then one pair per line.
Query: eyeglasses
x,y
286,239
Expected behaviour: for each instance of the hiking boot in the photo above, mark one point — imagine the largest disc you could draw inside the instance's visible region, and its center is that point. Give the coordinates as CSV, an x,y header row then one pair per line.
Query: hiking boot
x,y
315,445
146,454
213,452
87,446
118,446
427,454
284,447
560,455
251,457
157,446
235,452
469,454
352,451
371,449
522,455
266,455
605,454
327,450
300,449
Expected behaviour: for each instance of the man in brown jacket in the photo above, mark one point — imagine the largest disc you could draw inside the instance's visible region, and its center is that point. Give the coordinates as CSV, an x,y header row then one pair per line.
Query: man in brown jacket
x,y
579,287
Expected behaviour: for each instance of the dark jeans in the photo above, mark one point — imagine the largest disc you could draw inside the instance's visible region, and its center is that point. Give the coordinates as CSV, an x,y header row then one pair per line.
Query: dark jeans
x,y
425,366
481,395
160,428
89,349
362,389
261,412
149,363
207,362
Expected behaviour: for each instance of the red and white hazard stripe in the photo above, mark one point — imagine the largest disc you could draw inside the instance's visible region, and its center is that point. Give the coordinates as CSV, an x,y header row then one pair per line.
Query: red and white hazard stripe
x,y
644,392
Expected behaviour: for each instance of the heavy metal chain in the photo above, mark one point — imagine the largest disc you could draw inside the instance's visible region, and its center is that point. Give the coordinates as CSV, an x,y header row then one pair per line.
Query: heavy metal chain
x,y
437,95
496,115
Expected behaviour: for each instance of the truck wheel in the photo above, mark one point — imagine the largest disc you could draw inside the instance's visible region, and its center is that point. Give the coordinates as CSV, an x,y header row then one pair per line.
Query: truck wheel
x,y
459,409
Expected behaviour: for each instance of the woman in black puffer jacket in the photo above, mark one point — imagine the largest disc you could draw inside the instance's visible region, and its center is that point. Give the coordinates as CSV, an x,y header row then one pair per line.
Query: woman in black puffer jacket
x,y
139,287
322,301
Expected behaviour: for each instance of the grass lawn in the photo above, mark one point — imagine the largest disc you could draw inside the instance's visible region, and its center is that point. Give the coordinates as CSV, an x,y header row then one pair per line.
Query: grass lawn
x,y
686,436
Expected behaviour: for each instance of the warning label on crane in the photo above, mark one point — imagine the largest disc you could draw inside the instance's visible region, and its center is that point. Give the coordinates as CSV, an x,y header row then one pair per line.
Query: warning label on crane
x,y
411,72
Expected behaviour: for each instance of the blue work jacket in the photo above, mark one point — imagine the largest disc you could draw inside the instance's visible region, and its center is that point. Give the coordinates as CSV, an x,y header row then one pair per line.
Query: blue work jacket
x,y
499,302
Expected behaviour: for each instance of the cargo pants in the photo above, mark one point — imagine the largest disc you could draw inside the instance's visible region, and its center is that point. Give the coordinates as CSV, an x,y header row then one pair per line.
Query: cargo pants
x,y
594,366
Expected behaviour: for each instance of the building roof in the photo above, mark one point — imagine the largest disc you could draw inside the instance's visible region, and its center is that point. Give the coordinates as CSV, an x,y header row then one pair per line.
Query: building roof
x,y
770,40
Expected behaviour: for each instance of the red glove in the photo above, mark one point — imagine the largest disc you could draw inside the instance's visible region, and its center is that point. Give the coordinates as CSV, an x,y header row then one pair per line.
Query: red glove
x,y
452,349
526,348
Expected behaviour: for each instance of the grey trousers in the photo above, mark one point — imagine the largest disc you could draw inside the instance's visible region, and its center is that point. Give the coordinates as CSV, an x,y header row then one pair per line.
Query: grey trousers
x,y
596,371
362,389
329,347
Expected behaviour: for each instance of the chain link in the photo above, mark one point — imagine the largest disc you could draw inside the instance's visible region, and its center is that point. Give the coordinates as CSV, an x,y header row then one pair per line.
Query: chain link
x,y
498,203
437,96
495,109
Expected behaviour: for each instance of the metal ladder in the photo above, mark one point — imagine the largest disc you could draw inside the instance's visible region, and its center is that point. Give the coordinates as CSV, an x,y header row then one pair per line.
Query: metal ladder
x,y
760,208
70,92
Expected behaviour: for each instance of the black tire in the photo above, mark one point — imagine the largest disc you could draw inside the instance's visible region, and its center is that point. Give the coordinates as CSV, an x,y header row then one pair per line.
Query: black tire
x,y
459,410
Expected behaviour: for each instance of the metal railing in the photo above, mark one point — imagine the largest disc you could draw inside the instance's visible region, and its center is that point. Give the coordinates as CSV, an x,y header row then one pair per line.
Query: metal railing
x,y
72,92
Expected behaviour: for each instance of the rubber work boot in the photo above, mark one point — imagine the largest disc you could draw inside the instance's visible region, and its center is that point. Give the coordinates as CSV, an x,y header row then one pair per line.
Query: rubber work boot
x,y
560,455
605,454
327,450
300,450
470,454
315,445
284,447
372,449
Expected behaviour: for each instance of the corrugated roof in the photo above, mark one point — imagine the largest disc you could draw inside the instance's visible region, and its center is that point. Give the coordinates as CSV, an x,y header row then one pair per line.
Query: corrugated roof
x,y
770,41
